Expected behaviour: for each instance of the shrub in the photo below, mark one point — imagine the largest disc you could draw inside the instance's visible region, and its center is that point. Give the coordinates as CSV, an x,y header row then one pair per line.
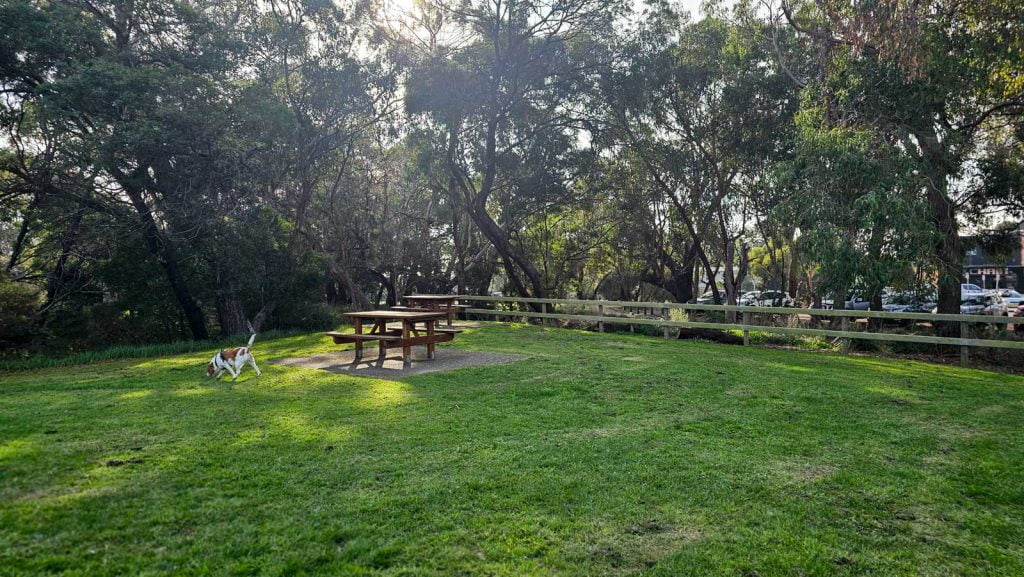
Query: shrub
x,y
19,304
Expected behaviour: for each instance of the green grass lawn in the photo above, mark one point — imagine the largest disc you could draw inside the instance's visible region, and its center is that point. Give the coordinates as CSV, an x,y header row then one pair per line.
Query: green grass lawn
x,y
598,455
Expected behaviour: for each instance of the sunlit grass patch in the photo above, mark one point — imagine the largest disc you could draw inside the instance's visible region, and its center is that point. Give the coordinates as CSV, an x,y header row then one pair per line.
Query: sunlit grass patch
x,y
611,454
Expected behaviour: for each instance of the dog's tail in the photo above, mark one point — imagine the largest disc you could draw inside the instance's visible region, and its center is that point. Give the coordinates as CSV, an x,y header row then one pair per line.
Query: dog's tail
x,y
251,340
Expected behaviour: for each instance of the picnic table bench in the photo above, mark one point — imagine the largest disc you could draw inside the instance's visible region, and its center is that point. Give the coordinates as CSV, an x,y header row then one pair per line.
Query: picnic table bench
x,y
406,337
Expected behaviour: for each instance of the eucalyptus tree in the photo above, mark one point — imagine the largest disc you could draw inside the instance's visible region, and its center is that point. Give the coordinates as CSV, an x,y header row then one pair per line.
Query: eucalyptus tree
x,y
939,75
698,105
134,103
854,198
505,97
332,93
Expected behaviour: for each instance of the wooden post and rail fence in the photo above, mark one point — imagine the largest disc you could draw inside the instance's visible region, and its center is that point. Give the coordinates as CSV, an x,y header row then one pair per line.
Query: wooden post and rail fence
x,y
964,341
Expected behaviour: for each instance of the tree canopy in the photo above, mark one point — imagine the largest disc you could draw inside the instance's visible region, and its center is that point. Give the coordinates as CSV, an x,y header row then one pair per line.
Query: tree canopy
x,y
175,169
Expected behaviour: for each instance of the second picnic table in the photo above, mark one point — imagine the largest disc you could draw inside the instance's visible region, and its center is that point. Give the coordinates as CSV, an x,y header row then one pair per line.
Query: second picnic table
x,y
441,303
406,337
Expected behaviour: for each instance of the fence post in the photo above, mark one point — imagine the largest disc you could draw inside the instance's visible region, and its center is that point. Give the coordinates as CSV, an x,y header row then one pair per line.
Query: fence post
x,y
600,313
844,325
746,332
965,351
664,314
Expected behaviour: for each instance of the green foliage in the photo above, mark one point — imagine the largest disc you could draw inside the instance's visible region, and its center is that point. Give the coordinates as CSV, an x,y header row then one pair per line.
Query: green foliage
x,y
857,204
18,305
174,169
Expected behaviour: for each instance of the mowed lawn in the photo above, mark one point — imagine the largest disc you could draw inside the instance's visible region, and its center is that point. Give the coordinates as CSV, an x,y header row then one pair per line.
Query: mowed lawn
x,y
597,455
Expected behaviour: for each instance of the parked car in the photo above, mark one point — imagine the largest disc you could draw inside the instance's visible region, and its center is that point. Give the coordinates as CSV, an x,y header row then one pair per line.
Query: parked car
x,y
910,303
706,299
769,298
986,304
1011,297
970,290
749,299
858,303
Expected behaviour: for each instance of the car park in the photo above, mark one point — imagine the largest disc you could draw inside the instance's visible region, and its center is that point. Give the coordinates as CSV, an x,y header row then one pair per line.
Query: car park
x,y
985,304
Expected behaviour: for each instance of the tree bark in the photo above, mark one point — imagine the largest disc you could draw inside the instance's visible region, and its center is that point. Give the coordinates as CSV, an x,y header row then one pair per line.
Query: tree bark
x,y
389,287
355,294
948,249
510,256
794,270
160,248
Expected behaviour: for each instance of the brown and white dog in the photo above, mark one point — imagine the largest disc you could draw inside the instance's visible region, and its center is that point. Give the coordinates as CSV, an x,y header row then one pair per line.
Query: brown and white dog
x,y
232,361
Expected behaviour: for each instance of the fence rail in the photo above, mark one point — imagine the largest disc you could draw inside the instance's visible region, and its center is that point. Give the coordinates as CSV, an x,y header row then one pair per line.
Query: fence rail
x,y
964,341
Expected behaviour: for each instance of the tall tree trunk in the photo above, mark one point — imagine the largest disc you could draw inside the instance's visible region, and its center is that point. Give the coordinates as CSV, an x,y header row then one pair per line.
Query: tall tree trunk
x,y
231,313
460,251
794,270
680,281
56,281
355,294
949,249
389,287
26,224
510,256
160,248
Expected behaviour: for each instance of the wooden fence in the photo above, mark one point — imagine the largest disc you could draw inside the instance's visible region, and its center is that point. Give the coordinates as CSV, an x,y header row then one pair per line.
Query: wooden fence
x,y
745,321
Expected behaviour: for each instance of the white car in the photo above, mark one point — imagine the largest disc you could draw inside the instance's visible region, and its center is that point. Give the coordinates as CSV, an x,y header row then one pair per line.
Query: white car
x,y
970,290
989,304
749,299
769,298
858,303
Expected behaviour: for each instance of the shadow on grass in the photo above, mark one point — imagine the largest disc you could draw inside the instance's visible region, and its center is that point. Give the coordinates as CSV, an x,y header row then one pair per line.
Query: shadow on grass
x,y
712,459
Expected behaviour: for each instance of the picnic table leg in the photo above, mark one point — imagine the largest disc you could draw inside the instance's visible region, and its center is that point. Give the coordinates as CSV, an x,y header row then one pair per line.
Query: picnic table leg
x,y
406,349
430,346
358,326
451,314
381,327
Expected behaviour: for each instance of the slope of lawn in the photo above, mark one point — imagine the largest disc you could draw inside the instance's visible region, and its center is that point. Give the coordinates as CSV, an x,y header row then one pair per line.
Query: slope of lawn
x,y
597,455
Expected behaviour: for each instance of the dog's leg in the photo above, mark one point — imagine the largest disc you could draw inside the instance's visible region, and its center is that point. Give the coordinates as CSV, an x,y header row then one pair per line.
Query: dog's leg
x,y
233,370
252,361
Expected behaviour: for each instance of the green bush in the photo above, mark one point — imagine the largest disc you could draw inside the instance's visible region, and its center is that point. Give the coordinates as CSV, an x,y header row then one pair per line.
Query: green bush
x,y
19,304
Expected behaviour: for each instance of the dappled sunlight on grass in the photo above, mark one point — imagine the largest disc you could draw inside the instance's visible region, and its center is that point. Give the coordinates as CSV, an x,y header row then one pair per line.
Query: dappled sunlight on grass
x,y
381,394
194,391
303,428
610,454
192,361
894,392
17,448
790,367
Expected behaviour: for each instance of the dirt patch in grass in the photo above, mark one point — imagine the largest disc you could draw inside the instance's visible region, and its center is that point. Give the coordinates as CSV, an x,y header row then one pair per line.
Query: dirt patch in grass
x,y
800,473
642,545
122,462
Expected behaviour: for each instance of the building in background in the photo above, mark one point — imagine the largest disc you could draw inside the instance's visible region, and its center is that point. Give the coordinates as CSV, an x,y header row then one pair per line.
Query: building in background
x,y
1005,271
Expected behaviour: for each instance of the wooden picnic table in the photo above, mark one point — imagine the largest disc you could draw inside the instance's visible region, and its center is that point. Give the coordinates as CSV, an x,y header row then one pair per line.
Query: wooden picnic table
x,y
442,303
408,336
